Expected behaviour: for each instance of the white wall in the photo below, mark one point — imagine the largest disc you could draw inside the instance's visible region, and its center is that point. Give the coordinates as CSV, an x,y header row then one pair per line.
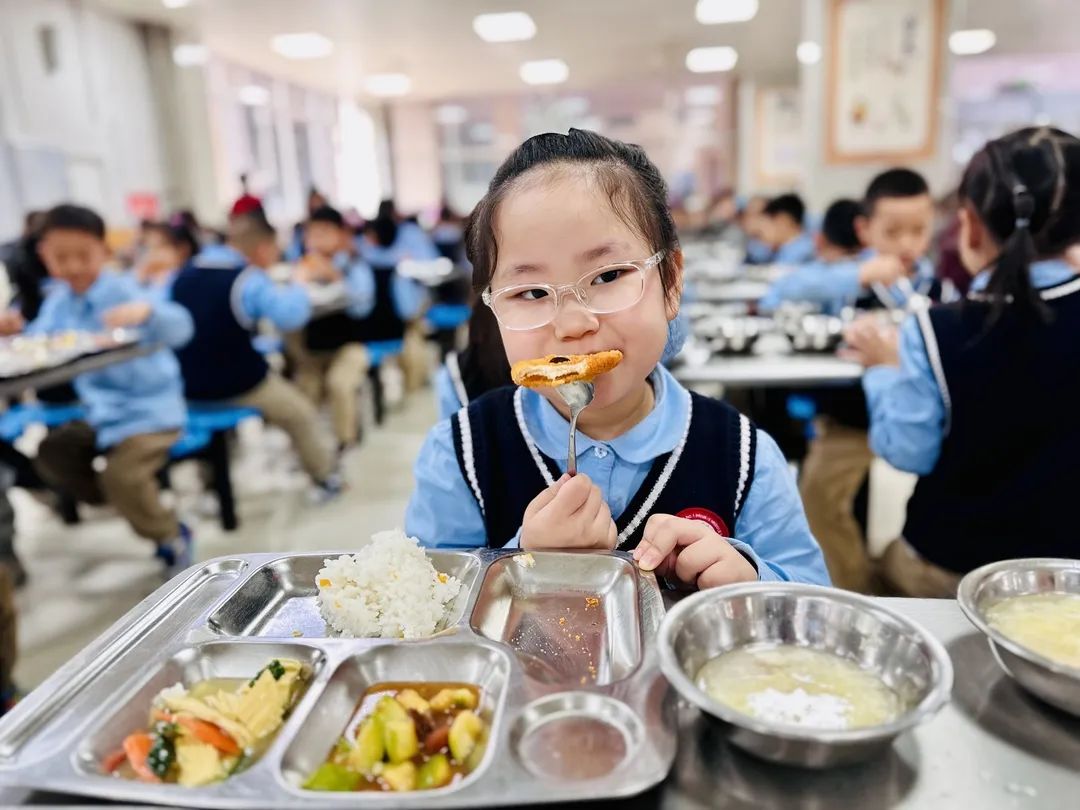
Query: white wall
x,y
85,129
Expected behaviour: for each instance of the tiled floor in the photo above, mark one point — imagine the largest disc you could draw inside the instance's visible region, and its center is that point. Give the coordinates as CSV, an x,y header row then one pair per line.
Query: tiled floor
x,y
85,577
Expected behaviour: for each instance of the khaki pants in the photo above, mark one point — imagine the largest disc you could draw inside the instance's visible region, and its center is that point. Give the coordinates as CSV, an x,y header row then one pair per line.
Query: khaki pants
x,y
8,633
129,481
836,465
284,406
904,573
415,358
338,374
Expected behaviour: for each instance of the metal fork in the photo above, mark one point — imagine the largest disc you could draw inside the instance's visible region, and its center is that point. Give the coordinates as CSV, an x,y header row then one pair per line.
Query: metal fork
x,y
577,396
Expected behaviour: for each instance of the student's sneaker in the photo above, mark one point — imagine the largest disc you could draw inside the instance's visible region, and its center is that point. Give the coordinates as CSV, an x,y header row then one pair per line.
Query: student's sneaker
x,y
177,554
8,698
328,489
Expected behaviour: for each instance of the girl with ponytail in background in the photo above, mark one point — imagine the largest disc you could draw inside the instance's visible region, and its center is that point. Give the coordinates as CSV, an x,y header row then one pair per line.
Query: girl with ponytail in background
x,y
980,398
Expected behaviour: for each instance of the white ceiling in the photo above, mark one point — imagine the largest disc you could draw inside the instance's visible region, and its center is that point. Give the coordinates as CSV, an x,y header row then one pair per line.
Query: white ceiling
x,y
602,40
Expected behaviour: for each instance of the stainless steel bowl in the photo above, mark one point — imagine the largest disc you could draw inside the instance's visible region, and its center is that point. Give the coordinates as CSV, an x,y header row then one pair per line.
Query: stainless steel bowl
x,y
905,656
1057,684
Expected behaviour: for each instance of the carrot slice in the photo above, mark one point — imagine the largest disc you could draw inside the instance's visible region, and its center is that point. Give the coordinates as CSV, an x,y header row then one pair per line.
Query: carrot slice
x,y
137,748
209,734
162,716
113,761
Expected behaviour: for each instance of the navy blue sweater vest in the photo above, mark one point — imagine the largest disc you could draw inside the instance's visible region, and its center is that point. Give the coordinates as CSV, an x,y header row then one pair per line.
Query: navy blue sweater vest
x,y
219,362
1010,462
711,469
331,332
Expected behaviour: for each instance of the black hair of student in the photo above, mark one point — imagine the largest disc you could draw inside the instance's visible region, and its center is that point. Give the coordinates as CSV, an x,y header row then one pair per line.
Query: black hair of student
x,y
251,227
632,183
483,363
182,237
790,205
897,182
329,215
1025,189
67,217
838,224
385,225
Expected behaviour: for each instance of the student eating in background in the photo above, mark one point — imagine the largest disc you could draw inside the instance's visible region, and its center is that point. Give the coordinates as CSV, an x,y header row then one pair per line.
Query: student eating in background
x,y
134,410
783,230
333,359
979,397
227,291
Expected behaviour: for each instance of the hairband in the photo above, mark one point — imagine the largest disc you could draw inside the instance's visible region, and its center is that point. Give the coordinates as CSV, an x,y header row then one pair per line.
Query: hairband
x,y
1023,204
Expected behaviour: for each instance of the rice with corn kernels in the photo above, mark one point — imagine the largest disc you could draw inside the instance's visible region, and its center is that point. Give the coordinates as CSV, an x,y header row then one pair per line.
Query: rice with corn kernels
x,y
388,589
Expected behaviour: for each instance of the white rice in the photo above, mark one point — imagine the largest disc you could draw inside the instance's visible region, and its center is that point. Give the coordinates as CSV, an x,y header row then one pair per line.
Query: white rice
x,y
388,589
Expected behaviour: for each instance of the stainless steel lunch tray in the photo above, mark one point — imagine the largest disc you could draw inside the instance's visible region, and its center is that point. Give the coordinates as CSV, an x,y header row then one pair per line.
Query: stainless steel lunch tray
x,y
571,686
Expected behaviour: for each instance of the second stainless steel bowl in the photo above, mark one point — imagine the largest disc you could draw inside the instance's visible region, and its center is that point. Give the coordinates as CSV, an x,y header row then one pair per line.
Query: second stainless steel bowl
x,y
1057,684
906,657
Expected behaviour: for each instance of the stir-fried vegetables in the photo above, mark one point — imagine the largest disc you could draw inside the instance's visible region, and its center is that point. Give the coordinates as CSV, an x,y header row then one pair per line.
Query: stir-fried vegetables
x,y
409,736
208,732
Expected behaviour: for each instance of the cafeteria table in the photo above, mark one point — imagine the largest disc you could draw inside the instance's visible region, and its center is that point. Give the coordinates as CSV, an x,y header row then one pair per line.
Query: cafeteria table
x,y
18,384
770,371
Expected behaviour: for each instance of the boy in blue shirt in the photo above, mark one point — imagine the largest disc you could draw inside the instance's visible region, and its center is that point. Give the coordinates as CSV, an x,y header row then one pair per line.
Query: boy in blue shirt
x,y
836,246
227,292
334,360
782,229
134,410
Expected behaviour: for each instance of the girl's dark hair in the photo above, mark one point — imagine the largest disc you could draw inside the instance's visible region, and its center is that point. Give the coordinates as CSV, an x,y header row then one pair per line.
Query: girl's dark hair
x,y
385,225
632,183
1025,188
179,236
483,363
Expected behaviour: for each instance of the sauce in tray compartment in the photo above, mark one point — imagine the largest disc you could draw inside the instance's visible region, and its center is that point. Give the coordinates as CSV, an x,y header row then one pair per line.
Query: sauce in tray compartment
x,y
407,736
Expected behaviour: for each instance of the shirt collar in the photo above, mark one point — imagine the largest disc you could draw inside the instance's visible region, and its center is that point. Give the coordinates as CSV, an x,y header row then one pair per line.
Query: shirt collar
x,y
220,256
656,434
1043,274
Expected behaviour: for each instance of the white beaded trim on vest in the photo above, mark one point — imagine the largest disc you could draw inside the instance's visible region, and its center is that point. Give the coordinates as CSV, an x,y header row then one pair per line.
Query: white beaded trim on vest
x,y
533,449
661,482
926,326
454,370
467,451
744,463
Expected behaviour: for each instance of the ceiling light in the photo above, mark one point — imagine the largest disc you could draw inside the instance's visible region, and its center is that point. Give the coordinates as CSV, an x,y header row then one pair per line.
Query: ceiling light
x,y
971,41
711,60
253,95
808,53
544,71
174,3
703,95
388,84
451,114
712,12
512,26
306,45
189,55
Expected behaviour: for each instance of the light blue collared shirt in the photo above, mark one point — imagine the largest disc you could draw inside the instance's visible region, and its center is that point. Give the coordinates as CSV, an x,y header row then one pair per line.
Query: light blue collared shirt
x,y
144,395
835,285
286,306
798,250
907,410
771,528
411,242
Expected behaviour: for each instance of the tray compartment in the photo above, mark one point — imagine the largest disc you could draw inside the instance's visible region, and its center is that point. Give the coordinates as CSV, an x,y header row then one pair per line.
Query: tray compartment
x,y
279,599
572,619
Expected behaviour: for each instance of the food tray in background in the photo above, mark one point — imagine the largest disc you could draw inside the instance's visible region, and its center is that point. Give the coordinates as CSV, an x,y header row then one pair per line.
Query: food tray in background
x,y
561,645
26,354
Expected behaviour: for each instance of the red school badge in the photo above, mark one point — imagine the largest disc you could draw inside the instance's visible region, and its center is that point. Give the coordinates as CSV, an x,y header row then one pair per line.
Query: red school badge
x,y
709,518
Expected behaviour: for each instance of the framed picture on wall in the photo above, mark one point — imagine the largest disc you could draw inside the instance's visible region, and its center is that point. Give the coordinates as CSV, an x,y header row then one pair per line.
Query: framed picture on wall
x,y
778,148
882,85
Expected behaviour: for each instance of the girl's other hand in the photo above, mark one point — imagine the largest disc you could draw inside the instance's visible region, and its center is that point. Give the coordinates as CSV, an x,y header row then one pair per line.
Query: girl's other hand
x,y
690,552
871,342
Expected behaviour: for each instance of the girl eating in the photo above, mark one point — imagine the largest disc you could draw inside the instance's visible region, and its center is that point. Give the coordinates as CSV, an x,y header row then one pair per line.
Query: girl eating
x,y
574,250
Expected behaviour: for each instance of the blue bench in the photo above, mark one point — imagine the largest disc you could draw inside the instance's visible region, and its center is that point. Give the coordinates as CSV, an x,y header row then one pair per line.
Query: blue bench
x,y
204,436
445,320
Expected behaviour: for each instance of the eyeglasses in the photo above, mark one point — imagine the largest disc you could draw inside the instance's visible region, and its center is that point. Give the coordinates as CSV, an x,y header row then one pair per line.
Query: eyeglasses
x,y
607,289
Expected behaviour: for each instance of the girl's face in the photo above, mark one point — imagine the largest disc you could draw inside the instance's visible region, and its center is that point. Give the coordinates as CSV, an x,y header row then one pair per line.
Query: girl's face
x,y
554,230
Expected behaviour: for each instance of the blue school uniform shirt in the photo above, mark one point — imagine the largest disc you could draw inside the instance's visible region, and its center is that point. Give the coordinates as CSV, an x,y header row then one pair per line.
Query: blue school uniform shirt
x,y
411,243
834,285
907,410
771,529
144,395
796,251
257,296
